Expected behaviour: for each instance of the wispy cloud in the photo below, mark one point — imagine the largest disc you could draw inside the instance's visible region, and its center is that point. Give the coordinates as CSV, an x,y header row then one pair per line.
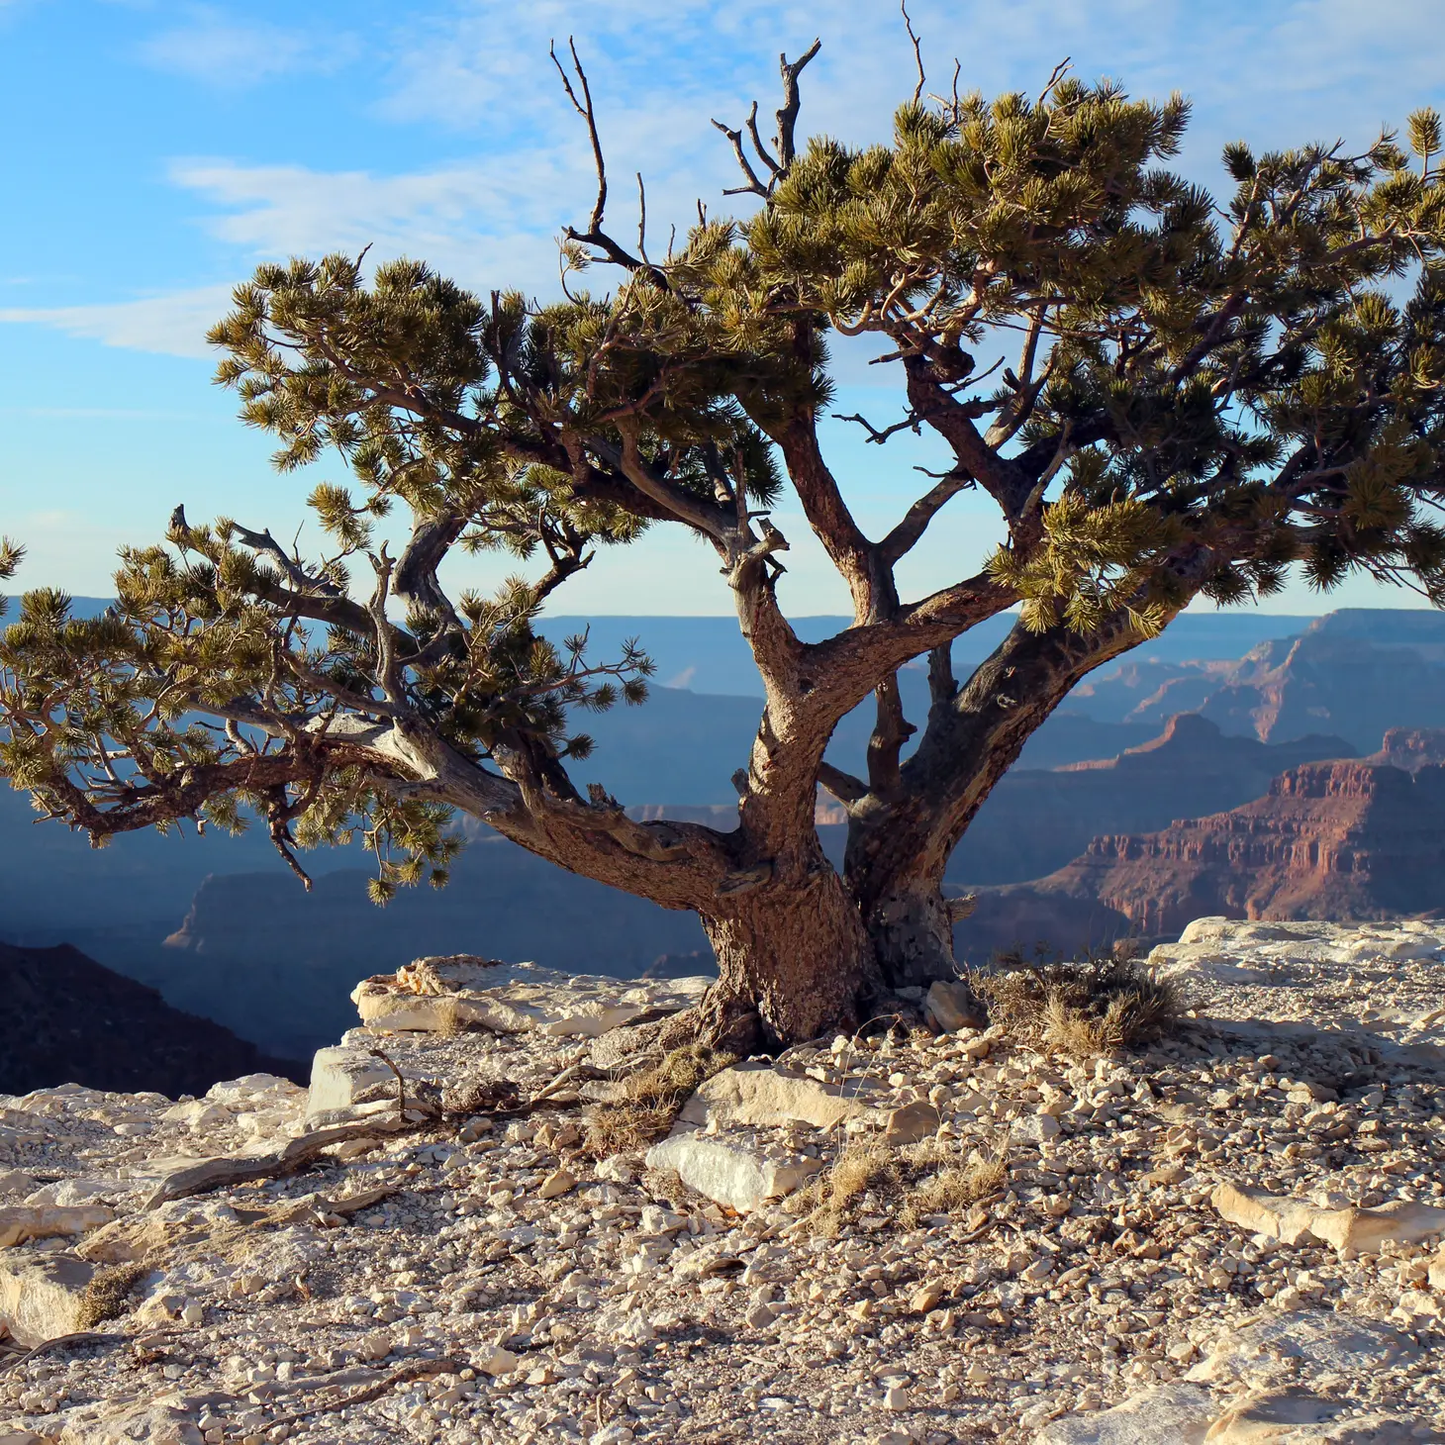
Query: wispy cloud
x,y
173,324
234,55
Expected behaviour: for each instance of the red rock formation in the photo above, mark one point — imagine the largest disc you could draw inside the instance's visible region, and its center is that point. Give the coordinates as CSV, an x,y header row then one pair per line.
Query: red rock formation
x,y
1337,840
1411,749
1331,840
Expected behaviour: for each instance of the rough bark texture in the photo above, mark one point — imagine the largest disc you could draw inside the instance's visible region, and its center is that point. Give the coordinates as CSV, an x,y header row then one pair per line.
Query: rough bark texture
x,y
900,838
798,959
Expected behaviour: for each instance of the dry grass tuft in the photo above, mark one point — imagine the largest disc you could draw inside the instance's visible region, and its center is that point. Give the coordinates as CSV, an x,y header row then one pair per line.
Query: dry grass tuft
x,y
1084,1009
107,1296
864,1164
651,1100
918,1180
956,1187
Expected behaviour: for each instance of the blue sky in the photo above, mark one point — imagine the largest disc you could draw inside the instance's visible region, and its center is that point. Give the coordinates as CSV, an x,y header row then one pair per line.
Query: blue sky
x,y
157,151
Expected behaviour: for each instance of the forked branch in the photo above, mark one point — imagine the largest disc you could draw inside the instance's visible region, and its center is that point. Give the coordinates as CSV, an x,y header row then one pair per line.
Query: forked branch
x,y
779,161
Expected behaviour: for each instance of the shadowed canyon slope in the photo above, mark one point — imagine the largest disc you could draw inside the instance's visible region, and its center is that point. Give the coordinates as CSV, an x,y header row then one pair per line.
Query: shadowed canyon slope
x,y
67,1018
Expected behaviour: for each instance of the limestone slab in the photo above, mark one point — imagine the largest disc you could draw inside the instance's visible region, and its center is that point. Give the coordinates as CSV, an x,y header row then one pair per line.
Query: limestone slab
x,y
1177,1414
40,1294
732,1169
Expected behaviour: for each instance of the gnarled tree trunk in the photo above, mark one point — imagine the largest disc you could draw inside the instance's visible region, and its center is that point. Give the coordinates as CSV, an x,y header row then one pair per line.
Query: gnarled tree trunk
x,y
794,962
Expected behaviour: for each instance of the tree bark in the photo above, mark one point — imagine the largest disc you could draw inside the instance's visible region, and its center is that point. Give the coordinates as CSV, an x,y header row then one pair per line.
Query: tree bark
x,y
899,841
794,963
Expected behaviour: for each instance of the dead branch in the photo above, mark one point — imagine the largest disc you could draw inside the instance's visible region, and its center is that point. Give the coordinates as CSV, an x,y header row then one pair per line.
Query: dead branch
x,y
416,1370
296,1156
780,161
60,1342
917,52
594,235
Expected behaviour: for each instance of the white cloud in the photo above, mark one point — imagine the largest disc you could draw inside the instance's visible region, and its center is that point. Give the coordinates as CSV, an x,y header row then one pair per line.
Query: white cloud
x,y
235,55
174,324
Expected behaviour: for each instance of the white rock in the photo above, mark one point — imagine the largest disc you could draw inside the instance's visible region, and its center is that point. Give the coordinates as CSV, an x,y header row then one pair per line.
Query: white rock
x,y
729,1168
1326,1342
1297,1417
1294,1221
40,1295
461,991
22,1222
1037,1129
1174,1415
557,1183
765,1096
152,1423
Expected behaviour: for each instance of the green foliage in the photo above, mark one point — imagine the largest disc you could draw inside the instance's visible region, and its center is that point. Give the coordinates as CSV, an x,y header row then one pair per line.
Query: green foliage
x,y
1205,393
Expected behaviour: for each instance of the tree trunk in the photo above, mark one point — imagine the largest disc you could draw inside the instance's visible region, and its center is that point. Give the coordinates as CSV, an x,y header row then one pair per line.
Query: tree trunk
x,y
794,963
899,840
912,934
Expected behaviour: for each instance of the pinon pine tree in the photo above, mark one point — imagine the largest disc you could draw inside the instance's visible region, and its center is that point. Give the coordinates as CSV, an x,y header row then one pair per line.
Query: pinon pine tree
x,y
1201,396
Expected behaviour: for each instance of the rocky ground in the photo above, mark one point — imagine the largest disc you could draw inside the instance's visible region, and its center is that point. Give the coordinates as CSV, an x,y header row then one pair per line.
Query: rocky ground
x,y
1236,1234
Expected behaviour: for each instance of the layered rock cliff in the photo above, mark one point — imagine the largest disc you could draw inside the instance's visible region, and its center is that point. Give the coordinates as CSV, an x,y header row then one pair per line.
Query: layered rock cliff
x,y
1340,840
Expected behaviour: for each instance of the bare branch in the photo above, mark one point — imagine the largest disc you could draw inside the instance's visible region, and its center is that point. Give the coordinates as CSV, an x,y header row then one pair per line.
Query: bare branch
x,y
917,52
915,521
594,235
1058,73
780,161
843,786
792,103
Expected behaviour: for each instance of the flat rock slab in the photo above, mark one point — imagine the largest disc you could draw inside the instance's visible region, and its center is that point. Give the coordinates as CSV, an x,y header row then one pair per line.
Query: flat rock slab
x,y
760,1095
1297,1417
733,1168
1173,1415
1315,1341
1225,950
152,1423
436,995
40,1294
21,1223
1297,1221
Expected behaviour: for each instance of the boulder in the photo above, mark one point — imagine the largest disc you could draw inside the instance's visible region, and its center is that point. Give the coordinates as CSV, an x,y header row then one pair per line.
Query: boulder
x,y
760,1095
343,1077
733,1168
911,1122
950,1005
1177,1414
1294,1221
1317,1341
1437,1270
40,1294
463,991
21,1223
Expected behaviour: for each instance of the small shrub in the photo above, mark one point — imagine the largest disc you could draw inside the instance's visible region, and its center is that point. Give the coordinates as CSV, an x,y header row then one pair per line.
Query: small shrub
x,y
1083,1009
956,1187
107,1296
919,1179
651,1099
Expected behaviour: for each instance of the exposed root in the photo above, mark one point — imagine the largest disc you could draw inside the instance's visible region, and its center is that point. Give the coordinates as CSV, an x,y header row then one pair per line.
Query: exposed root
x,y
650,1100
1085,1009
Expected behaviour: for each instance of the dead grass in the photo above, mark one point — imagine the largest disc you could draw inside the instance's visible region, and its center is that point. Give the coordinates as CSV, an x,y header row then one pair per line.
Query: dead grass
x,y
956,1187
913,1182
107,1296
1083,1009
650,1100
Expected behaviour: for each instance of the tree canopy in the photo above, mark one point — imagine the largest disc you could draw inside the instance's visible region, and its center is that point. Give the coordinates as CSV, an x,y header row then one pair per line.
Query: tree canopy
x,y
1200,394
